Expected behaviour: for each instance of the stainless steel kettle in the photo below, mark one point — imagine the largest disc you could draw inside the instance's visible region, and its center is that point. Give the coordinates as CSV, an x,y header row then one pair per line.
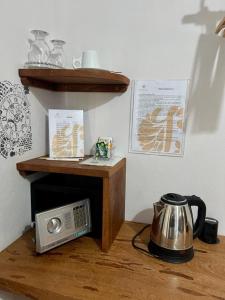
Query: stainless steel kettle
x,y
172,231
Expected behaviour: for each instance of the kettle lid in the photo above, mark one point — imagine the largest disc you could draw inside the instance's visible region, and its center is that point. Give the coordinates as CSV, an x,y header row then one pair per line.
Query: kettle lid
x,y
174,199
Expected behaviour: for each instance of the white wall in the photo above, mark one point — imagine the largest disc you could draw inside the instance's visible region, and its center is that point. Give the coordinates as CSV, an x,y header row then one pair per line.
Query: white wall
x,y
145,40
157,40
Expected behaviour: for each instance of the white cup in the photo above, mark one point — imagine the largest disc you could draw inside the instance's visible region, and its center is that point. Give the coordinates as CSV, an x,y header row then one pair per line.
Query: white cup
x,y
89,59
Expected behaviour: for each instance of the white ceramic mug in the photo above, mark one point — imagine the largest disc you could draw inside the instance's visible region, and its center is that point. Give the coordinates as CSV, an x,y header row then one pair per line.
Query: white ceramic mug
x,y
89,59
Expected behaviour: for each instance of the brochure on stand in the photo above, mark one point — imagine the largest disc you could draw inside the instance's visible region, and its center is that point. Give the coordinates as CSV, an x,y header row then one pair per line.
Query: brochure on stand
x,y
66,133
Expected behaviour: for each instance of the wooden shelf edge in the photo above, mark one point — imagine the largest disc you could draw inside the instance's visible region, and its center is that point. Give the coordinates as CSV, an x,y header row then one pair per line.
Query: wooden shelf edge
x,y
26,173
34,165
68,80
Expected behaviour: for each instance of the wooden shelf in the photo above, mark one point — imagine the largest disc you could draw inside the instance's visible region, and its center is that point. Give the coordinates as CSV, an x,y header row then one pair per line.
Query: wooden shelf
x,y
113,189
66,167
79,80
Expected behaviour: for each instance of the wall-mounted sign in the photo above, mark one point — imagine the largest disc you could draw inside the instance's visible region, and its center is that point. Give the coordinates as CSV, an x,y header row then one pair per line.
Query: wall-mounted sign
x,y
15,120
157,117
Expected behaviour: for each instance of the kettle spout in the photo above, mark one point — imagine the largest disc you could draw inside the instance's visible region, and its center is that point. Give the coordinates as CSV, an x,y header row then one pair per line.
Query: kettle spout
x,y
158,207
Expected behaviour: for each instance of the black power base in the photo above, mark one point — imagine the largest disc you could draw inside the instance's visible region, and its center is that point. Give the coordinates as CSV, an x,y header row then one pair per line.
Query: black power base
x,y
172,256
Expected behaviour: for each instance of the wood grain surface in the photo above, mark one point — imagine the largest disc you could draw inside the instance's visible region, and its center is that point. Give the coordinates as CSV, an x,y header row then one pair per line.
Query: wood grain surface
x,y
79,80
79,270
67,167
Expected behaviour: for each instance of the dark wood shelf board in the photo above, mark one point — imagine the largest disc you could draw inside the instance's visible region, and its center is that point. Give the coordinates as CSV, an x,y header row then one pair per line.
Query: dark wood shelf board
x,y
79,80
66,167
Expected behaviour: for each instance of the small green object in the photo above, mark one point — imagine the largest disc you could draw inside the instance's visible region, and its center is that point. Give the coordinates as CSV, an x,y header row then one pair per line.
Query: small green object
x,y
103,148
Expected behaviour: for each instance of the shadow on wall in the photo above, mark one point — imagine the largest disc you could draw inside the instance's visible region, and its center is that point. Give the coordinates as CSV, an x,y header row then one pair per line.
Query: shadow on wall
x,y
88,101
74,100
144,216
208,73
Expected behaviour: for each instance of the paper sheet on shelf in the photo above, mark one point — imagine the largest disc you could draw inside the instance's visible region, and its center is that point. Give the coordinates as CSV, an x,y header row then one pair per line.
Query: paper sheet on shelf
x,y
109,163
61,158
158,117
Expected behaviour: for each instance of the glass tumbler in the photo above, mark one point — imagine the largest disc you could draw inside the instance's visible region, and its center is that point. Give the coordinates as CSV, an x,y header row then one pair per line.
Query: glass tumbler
x,y
39,49
57,56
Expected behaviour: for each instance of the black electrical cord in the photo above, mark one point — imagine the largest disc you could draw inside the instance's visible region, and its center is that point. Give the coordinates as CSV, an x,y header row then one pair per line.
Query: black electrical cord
x,y
139,248
136,235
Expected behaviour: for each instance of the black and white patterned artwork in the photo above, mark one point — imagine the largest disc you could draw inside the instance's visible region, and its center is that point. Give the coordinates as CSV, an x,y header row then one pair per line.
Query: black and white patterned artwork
x,y
15,120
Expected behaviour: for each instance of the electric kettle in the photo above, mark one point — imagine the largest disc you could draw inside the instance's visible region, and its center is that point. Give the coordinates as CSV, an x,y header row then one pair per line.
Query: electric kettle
x,y
172,230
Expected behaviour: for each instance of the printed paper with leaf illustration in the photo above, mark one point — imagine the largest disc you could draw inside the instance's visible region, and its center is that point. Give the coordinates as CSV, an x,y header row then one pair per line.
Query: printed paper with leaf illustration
x,y
66,135
158,115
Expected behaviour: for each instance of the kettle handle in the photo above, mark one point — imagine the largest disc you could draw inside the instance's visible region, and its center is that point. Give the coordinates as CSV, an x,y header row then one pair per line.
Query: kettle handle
x,y
196,201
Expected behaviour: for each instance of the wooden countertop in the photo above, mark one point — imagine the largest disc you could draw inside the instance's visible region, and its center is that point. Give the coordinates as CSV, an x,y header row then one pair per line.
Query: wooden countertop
x,y
79,270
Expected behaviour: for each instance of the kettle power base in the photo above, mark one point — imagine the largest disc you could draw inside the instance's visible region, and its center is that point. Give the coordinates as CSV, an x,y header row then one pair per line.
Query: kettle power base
x,y
171,256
